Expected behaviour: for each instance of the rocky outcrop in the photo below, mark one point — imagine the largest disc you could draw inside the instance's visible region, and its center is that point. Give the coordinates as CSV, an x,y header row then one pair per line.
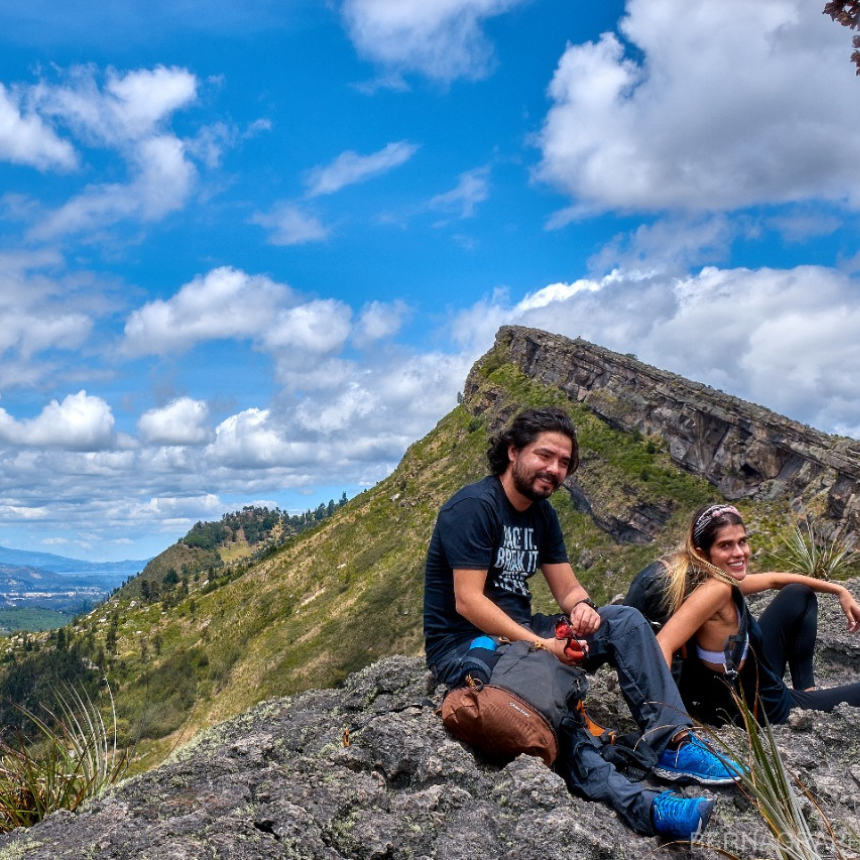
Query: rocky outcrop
x,y
746,451
279,782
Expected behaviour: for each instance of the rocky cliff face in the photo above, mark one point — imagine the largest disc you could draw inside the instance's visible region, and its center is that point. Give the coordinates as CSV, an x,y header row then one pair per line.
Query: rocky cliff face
x,y
278,782
746,451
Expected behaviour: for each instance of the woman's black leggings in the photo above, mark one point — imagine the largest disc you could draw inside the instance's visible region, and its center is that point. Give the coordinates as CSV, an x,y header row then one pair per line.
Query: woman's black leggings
x,y
789,628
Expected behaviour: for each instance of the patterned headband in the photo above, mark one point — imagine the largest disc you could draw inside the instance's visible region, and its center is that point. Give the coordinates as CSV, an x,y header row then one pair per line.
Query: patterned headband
x,y
708,516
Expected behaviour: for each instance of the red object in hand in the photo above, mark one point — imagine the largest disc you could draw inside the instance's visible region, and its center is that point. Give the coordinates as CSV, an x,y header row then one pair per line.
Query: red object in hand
x,y
575,649
563,629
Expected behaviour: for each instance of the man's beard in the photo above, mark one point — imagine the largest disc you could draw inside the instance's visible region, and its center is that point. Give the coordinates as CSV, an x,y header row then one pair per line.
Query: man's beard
x,y
524,483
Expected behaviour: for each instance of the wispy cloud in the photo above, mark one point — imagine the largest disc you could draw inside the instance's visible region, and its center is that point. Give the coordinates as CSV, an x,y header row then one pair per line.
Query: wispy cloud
x,y
290,224
41,314
28,139
442,39
350,168
164,179
127,114
472,188
125,108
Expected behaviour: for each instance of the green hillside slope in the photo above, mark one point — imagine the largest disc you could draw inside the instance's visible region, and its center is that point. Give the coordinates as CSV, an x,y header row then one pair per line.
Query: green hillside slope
x,y
234,631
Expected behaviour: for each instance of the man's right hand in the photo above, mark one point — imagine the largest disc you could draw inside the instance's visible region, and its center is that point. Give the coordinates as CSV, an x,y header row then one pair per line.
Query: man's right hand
x,y
568,656
575,648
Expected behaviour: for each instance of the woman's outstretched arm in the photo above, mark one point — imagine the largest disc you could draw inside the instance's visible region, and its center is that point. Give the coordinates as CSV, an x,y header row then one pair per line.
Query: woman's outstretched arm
x,y
753,583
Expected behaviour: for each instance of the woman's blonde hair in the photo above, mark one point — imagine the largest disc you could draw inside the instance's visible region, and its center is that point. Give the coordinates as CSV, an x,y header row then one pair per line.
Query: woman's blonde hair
x,y
688,567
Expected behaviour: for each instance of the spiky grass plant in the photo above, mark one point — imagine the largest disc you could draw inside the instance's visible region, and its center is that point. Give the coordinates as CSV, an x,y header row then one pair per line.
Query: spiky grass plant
x,y
780,798
76,757
814,555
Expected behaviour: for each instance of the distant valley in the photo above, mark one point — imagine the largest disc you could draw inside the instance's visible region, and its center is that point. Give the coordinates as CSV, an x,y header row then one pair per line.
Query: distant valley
x,y
40,590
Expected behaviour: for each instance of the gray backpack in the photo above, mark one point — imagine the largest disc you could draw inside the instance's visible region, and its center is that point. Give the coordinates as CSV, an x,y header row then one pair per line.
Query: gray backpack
x,y
521,710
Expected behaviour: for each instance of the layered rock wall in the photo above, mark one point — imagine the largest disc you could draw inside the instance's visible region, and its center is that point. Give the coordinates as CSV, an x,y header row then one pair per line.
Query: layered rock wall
x,y
745,450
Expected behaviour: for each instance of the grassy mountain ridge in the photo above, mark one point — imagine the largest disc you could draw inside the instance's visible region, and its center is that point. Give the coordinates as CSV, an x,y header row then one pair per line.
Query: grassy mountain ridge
x,y
348,591
331,601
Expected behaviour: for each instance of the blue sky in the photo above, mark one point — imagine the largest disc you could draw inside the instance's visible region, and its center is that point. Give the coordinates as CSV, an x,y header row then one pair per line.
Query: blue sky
x,y
248,252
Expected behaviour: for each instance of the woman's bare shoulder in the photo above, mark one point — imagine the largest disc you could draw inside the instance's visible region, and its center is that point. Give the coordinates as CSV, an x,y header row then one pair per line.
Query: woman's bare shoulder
x,y
713,594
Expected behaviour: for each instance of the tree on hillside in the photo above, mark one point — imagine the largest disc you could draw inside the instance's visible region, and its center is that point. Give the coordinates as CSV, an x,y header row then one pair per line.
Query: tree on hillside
x,y
847,13
33,682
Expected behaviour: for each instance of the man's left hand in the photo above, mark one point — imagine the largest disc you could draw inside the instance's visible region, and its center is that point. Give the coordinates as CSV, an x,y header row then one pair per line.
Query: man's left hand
x,y
584,619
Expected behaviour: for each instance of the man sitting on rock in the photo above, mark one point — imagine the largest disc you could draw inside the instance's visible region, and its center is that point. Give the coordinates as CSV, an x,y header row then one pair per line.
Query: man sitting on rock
x,y
488,540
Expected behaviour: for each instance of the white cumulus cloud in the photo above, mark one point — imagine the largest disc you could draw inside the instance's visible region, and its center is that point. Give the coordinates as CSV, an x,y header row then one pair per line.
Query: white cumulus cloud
x,y
78,423
317,327
254,439
721,106
783,338
379,320
228,304
224,303
180,422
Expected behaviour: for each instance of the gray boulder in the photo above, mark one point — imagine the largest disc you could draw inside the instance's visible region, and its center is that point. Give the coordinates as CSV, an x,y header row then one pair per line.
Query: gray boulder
x,y
282,781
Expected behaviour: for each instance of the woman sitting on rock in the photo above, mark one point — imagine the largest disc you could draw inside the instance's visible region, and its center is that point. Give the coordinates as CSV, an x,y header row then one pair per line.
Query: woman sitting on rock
x,y
709,620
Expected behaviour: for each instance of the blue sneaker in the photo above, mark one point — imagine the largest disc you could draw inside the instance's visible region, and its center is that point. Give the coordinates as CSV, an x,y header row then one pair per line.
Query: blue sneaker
x,y
677,817
695,761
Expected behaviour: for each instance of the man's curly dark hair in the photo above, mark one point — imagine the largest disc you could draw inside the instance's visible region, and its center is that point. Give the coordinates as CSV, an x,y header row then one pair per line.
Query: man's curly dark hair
x,y
524,429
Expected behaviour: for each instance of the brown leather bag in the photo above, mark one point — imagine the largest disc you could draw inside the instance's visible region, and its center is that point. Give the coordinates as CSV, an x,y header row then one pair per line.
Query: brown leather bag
x,y
498,722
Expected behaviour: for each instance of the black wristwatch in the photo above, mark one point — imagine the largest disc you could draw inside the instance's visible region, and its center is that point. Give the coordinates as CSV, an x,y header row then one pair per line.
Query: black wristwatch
x,y
587,601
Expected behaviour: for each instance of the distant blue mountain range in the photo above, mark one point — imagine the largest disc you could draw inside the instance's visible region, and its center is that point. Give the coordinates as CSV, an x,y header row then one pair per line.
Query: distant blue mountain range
x,y
107,575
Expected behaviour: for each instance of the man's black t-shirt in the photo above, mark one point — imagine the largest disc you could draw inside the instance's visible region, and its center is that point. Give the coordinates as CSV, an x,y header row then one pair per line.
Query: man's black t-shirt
x,y
479,529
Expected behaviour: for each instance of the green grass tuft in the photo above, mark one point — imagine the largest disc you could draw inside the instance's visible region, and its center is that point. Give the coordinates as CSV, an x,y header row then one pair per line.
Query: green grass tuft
x,y
813,555
77,758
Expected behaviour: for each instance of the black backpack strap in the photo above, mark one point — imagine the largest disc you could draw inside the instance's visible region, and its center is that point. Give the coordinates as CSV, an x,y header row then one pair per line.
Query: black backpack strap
x,y
630,754
733,653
